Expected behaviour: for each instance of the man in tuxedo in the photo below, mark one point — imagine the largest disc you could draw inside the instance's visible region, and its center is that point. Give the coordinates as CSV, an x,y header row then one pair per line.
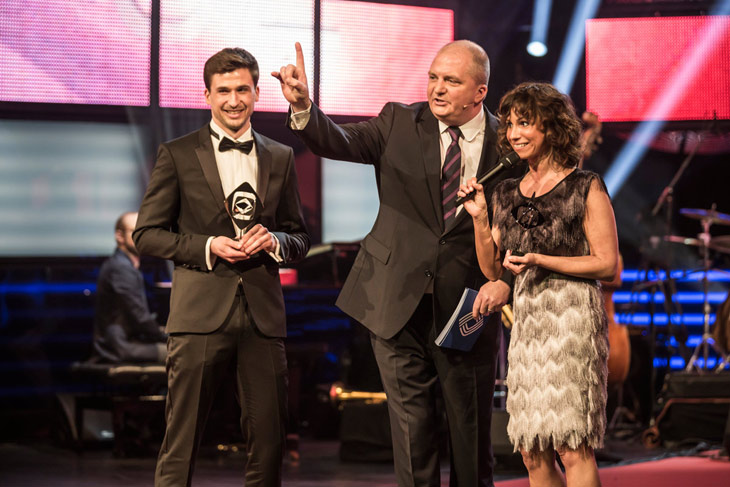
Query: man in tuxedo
x,y
124,328
226,303
415,262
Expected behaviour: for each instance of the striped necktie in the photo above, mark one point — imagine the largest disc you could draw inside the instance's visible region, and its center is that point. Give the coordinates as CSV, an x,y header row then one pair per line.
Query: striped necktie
x,y
450,176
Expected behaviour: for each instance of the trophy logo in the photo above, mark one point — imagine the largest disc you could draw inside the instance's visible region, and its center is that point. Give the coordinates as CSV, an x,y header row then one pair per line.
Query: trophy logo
x,y
243,206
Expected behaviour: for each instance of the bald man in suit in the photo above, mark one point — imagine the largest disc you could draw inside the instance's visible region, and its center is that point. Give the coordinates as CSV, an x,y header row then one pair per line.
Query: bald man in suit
x,y
419,256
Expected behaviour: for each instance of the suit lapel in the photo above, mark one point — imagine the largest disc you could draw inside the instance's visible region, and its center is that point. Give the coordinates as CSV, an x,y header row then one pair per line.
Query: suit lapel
x,y
206,157
428,134
264,162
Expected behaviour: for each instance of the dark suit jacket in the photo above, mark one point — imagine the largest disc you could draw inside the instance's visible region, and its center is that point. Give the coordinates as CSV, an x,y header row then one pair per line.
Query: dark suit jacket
x,y
408,246
184,205
124,328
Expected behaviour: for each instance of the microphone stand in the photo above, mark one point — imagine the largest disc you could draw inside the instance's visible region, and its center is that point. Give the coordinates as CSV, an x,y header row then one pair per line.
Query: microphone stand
x,y
668,192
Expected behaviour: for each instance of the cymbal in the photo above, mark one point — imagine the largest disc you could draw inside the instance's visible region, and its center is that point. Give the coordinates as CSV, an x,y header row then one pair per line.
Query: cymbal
x,y
712,216
721,243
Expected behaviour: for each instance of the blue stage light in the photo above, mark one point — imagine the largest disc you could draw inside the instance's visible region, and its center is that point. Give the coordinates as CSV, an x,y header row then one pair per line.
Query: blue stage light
x,y
540,21
682,297
630,275
537,48
574,45
676,363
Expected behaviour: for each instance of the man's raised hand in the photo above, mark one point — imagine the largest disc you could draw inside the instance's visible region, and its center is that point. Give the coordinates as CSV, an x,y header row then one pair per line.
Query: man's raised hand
x,y
293,80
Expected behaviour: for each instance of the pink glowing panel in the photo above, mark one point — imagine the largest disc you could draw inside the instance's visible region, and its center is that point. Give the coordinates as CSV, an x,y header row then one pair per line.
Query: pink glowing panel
x,y
192,31
75,51
630,61
373,53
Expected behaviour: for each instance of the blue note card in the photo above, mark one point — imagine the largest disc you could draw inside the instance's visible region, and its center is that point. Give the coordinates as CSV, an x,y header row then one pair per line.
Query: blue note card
x,y
462,330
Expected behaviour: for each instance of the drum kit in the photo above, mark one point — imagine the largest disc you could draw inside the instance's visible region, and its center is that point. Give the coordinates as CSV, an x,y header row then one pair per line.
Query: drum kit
x,y
705,243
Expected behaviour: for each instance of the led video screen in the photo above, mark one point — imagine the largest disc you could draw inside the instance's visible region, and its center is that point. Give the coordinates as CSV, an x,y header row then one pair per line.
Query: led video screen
x,y
373,53
349,200
192,31
634,64
75,51
61,193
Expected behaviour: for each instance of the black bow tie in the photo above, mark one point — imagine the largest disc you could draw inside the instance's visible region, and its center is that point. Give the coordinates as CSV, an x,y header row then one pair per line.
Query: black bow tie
x,y
228,144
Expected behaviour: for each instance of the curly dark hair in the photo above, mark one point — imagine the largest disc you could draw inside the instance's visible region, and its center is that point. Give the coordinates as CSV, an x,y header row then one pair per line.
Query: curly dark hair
x,y
552,111
230,59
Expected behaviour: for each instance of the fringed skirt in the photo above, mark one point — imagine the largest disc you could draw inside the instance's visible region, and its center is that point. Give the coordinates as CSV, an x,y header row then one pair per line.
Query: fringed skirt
x,y
557,363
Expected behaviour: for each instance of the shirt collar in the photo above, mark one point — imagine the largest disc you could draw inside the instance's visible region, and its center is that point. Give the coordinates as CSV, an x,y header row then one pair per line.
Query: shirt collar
x,y
215,128
470,129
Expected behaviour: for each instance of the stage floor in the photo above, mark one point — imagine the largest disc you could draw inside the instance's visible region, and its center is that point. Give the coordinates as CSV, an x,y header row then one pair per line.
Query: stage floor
x,y
33,465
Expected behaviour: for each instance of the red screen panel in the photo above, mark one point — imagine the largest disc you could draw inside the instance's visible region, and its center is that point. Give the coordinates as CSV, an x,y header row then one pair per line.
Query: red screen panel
x,y
191,32
372,53
75,51
629,63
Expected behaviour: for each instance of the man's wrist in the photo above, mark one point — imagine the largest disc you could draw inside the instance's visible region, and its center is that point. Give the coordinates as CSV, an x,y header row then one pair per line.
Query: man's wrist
x,y
303,106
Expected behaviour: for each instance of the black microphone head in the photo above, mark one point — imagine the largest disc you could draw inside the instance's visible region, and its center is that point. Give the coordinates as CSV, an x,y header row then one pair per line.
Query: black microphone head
x,y
510,159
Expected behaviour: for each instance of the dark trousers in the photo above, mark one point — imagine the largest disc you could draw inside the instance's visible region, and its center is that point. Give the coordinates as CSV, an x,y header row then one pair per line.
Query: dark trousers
x,y
410,364
196,363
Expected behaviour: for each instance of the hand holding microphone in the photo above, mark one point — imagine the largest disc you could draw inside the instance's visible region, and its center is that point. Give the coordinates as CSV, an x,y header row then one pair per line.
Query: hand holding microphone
x,y
475,203
505,162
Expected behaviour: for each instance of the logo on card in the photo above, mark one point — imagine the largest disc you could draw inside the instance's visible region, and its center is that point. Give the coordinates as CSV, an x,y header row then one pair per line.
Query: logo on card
x,y
465,328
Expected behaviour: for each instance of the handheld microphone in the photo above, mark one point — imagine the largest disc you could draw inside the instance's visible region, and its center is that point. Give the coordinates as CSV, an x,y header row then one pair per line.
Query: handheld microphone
x,y
505,162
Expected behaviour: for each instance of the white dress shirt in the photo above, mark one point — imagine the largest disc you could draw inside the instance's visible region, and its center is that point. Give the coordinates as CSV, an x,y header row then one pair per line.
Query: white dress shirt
x,y
471,144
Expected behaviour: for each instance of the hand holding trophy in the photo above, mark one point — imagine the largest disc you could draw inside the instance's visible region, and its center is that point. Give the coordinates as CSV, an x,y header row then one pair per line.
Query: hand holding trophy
x,y
244,206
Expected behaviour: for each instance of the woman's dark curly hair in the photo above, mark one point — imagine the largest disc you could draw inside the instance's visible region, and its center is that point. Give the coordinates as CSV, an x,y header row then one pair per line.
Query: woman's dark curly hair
x,y
553,113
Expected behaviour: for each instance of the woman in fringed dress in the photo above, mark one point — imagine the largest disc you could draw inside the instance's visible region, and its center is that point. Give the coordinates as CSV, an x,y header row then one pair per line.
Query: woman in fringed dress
x,y
554,229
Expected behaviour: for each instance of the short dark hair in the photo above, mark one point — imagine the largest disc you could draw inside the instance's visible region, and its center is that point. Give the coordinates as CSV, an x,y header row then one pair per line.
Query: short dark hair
x,y
230,59
552,111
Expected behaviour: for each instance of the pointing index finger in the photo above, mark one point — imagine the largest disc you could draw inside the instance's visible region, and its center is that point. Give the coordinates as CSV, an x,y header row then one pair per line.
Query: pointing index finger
x,y
300,56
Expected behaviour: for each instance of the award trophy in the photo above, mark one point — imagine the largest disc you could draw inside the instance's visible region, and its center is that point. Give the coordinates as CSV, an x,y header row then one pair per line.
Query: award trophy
x,y
244,207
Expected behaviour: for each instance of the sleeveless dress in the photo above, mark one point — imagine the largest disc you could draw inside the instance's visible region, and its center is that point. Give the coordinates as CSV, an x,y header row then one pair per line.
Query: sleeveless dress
x,y
558,349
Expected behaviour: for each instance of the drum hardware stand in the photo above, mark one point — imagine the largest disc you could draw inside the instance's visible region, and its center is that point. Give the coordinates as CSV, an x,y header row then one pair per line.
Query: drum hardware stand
x,y
704,237
707,340
622,412
666,199
723,362
724,359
